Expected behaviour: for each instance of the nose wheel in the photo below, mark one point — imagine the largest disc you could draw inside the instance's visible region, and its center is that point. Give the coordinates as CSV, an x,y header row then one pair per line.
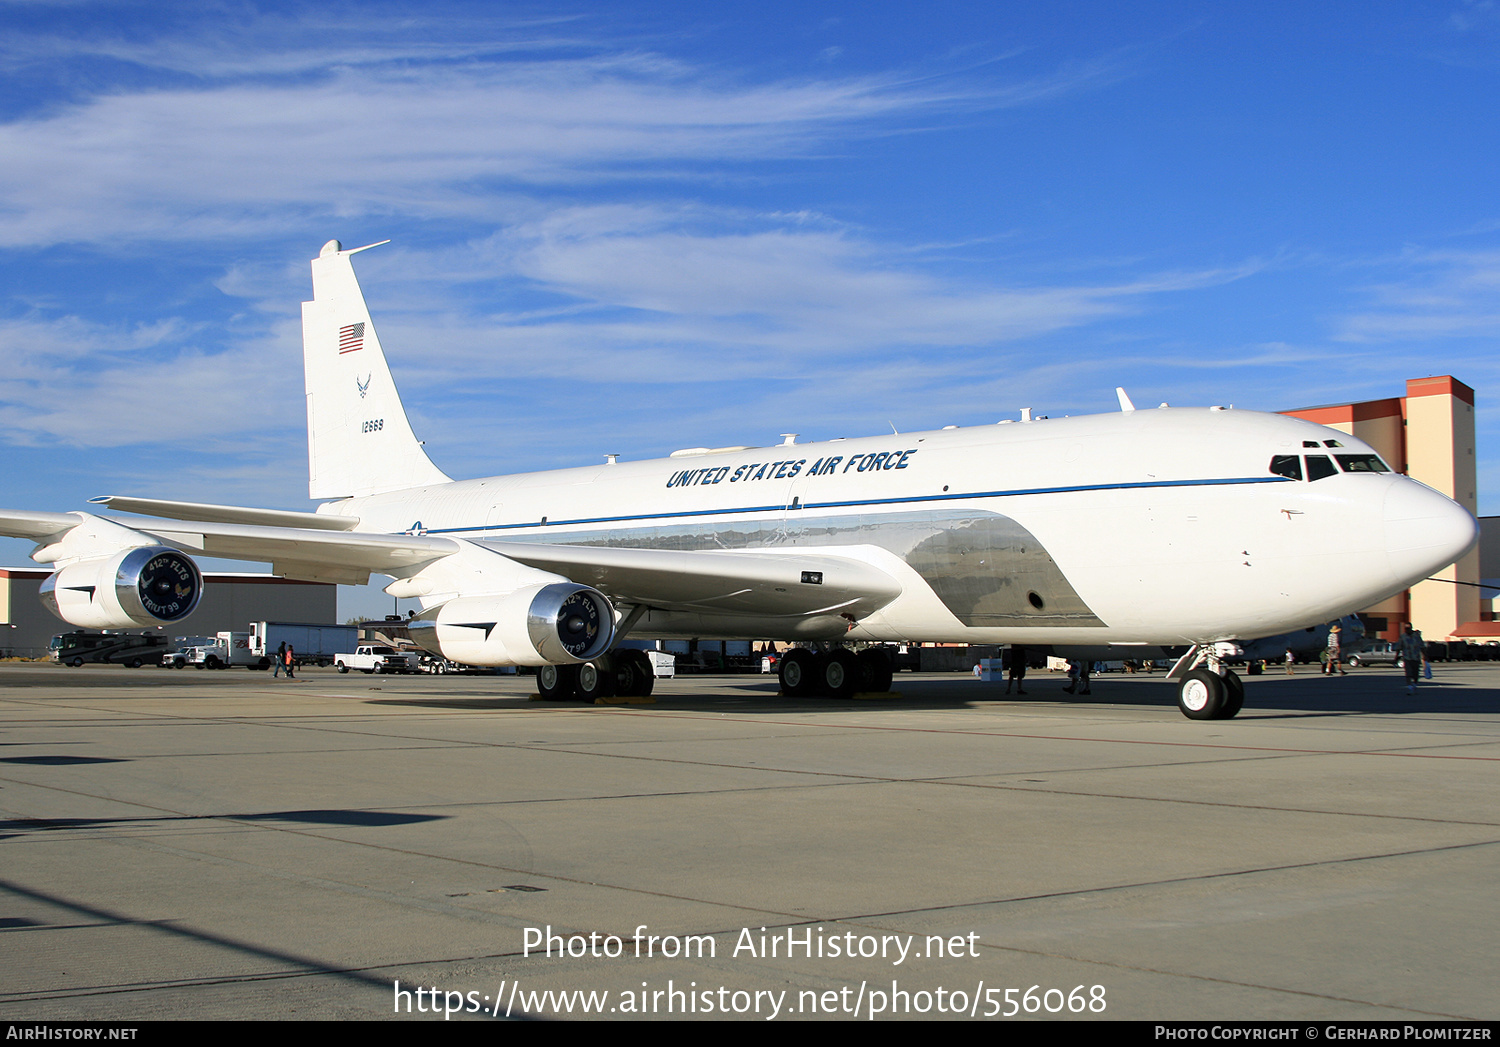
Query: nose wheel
x,y
1206,695
1206,692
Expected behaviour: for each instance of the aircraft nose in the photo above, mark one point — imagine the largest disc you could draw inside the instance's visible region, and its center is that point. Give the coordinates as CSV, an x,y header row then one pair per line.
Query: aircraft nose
x,y
1424,531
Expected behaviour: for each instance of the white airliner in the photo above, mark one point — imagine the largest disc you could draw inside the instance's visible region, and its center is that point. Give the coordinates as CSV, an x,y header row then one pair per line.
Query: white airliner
x,y
1145,527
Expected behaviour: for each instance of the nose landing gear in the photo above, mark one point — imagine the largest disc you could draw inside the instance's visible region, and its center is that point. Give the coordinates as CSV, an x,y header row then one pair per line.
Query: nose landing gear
x,y
1206,688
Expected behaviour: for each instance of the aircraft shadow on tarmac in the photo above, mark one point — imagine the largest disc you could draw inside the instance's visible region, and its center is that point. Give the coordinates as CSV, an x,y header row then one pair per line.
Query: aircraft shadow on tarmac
x,y
295,964
364,819
1269,696
52,760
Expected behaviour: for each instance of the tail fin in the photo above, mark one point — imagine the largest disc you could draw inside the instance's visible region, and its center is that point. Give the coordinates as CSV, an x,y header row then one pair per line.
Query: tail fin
x,y
358,439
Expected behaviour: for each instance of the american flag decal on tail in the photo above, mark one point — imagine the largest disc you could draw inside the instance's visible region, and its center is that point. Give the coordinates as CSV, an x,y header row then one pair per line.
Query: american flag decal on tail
x,y
351,338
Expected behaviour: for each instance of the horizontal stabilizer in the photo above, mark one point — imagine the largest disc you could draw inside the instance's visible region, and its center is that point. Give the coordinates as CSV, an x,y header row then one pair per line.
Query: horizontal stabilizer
x,y
17,523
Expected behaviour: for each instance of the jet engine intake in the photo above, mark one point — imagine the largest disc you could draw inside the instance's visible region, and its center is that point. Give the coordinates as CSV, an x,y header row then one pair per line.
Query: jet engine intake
x,y
145,585
554,624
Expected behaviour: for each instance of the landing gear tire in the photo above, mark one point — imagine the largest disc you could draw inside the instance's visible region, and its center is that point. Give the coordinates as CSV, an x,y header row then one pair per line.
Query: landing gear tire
x,y
557,683
875,671
642,676
596,680
625,674
838,672
1201,695
796,673
1234,695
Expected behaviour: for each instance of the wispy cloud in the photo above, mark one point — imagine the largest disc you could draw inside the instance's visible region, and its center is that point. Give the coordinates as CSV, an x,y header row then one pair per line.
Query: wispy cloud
x,y
637,293
75,382
415,127
257,127
596,220
1430,295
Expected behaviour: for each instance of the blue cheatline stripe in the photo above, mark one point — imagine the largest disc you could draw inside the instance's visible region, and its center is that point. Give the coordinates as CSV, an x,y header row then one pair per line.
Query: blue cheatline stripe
x,y
779,508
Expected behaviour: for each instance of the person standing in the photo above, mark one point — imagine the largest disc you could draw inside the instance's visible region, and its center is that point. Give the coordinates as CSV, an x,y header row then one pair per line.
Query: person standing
x,y
1291,661
1017,668
280,660
1335,637
1413,651
291,661
1078,674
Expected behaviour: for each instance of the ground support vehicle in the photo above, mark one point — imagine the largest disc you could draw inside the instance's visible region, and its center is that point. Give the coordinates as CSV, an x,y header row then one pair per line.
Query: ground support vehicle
x,y
229,648
181,649
377,658
437,665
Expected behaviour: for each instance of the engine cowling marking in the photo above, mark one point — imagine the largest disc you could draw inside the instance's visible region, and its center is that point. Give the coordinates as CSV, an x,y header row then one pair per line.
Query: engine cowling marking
x,y
167,585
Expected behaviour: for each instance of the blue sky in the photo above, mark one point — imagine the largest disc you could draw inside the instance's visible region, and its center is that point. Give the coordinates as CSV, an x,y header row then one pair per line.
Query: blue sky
x,y
632,227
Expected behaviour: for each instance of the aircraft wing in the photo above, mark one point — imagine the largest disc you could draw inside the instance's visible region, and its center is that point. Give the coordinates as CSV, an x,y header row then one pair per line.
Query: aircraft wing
x,y
769,582
347,557
762,582
303,553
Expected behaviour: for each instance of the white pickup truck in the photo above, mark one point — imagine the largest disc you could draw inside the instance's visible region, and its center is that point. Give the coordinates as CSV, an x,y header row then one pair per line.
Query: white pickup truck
x,y
228,648
377,658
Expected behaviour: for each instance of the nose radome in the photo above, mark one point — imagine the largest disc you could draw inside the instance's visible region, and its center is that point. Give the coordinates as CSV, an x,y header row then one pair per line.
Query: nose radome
x,y
1424,531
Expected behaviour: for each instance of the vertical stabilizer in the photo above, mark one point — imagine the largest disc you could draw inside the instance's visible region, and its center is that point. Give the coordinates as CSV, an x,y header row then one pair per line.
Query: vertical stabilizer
x,y
358,439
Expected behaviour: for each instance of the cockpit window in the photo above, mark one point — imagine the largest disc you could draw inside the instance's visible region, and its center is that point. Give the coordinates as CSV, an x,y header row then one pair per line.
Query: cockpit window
x,y
1288,465
1319,467
1362,463
1332,443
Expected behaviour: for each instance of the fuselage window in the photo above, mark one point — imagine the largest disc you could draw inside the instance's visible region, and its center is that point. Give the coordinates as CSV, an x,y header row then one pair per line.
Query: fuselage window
x,y
1362,463
1288,465
1319,467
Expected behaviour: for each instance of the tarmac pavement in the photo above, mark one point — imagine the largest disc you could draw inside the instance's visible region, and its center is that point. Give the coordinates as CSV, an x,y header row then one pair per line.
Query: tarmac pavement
x,y
228,845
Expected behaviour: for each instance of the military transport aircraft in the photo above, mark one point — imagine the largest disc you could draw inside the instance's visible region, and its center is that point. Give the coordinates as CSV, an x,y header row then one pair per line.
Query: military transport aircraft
x,y
1168,526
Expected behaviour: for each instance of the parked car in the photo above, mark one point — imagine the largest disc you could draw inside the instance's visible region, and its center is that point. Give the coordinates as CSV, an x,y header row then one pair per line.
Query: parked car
x,y
1384,653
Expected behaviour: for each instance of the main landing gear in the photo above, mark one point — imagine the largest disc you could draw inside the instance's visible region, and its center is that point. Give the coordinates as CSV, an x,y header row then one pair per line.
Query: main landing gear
x,y
618,674
836,673
1206,688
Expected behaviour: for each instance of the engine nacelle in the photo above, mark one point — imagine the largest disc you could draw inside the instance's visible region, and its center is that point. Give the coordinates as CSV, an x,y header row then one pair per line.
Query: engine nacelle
x,y
146,585
554,624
